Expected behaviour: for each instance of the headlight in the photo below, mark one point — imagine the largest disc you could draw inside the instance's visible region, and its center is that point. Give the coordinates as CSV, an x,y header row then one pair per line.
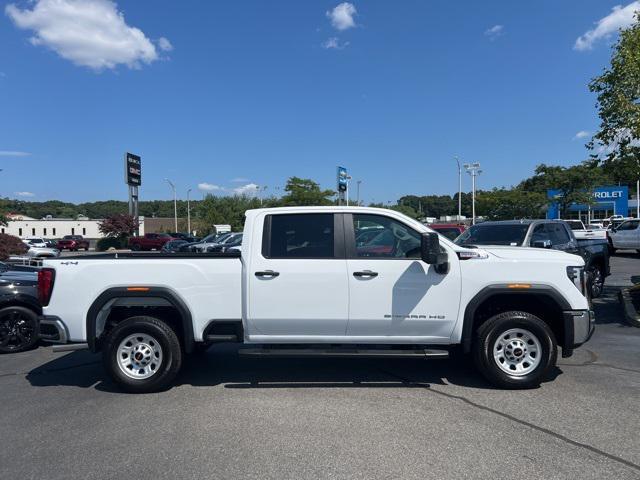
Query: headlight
x,y
576,275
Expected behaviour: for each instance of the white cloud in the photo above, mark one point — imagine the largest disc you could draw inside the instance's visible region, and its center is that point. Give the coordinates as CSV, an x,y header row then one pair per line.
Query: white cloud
x,y
247,189
25,194
581,134
495,31
619,18
342,16
209,187
334,43
89,33
10,153
165,44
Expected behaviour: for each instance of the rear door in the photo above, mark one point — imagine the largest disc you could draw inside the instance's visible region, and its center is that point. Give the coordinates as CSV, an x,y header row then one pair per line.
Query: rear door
x,y
297,279
393,293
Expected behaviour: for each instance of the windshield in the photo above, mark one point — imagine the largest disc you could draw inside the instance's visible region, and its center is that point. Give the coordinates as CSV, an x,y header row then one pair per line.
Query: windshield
x,y
494,234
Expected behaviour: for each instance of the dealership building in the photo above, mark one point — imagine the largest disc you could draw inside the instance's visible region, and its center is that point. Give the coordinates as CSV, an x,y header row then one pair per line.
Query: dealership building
x,y
608,201
25,227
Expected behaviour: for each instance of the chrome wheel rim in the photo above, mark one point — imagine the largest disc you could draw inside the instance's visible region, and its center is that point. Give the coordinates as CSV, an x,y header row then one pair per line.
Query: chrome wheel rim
x,y
139,356
517,352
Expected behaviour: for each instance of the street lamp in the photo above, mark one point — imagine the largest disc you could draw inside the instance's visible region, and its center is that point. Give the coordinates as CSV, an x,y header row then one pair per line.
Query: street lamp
x,y
347,192
358,191
459,188
188,212
175,203
473,169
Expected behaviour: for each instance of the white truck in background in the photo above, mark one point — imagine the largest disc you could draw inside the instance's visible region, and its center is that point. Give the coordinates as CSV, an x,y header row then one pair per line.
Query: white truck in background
x,y
581,232
307,283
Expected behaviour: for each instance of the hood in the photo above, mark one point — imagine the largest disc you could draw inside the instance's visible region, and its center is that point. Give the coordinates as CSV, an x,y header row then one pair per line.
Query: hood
x,y
527,253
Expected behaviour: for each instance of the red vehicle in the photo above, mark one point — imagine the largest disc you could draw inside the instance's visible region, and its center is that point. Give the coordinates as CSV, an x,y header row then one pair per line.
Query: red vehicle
x,y
448,230
150,241
73,243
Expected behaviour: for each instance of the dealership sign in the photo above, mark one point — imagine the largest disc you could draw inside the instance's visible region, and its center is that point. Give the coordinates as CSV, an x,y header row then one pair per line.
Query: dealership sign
x,y
132,170
611,198
342,179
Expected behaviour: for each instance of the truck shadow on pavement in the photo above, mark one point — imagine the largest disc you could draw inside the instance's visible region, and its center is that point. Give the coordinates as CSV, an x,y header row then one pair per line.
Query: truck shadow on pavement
x,y
221,365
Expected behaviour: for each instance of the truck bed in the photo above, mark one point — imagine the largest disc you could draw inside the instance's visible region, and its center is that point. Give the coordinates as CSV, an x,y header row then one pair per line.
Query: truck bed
x,y
209,283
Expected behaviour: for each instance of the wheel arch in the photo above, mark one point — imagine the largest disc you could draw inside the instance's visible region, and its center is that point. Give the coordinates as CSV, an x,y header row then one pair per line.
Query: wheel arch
x,y
144,297
538,298
21,300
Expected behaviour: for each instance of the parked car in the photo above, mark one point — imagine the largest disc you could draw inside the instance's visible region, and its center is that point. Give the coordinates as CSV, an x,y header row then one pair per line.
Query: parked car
x,y
448,230
184,236
581,232
549,234
43,252
19,308
73,243
302,280
212,241
625,236
173,245
35,242
150,241
231,242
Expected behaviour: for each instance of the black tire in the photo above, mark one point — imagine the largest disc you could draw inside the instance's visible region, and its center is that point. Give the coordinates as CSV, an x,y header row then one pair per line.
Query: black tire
x,y
135,247
19,329
493,329
170,359
595,281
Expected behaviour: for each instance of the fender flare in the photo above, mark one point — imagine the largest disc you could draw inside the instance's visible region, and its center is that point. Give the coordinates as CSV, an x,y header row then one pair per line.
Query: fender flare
x,y
486,293
21,299
152,292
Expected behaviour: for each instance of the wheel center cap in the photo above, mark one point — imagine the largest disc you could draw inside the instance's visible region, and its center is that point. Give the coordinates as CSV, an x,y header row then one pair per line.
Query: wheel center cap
x,y
138,356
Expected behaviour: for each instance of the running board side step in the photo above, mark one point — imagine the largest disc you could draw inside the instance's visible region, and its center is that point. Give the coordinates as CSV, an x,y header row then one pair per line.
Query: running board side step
x,y
220,338
361,353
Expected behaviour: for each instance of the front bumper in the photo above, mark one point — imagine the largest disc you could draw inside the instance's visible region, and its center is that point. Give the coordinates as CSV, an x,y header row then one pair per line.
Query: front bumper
x,y
579,325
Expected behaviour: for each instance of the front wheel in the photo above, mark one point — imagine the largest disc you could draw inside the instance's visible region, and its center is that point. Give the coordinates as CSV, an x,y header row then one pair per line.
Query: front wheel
x,y
515,350
142,354
595,281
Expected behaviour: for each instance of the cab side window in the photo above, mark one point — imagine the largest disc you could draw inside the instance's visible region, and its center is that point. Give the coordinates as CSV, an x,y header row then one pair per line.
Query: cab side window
x,y
630,225
302,235
382,237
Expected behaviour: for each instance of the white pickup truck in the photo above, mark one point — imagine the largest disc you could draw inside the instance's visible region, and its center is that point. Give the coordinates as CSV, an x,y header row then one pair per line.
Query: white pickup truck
x,y
327,281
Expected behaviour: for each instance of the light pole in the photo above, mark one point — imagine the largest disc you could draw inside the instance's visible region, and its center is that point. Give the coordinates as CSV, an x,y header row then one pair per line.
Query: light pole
x,y
175,203
473,169
188,212
347,192
459,188
358,192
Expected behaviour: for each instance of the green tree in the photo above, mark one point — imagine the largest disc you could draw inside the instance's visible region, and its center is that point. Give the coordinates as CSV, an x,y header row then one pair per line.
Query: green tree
x,y
510,204
304,191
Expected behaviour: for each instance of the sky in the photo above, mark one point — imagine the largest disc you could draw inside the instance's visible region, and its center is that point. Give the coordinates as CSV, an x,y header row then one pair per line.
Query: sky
x,y
221,97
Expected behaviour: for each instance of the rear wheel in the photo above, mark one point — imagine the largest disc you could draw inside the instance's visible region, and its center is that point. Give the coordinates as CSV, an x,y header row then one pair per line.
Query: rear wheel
x,y
515,350
18,329
135,247
142,354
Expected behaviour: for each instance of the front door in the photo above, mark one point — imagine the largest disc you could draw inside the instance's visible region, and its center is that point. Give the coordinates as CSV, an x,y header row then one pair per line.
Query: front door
x,y
627,235
393,293
297,284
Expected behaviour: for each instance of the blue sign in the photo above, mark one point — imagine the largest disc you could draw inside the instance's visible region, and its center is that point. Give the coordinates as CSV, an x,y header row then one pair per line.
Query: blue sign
x,y
342,179
612,198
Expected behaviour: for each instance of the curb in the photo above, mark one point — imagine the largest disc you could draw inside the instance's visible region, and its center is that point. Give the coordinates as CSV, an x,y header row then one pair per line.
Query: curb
x,y
632,317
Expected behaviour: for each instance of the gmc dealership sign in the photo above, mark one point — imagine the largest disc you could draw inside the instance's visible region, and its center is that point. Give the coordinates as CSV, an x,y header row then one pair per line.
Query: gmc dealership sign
x,y
132,170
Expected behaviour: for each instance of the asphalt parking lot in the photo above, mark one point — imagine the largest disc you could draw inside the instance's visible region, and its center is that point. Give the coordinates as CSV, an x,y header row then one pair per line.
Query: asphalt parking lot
x,y
231,417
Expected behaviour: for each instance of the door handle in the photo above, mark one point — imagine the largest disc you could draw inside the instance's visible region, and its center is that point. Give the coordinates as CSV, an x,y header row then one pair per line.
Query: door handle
x,y
267,273
365,273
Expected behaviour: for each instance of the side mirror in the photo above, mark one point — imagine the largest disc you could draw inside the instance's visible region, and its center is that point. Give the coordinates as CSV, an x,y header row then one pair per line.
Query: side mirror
x,y
431,254
542,244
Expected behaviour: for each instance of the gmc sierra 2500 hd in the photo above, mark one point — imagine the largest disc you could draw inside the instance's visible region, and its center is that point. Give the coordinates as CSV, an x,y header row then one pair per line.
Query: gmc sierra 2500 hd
x,y
302,285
